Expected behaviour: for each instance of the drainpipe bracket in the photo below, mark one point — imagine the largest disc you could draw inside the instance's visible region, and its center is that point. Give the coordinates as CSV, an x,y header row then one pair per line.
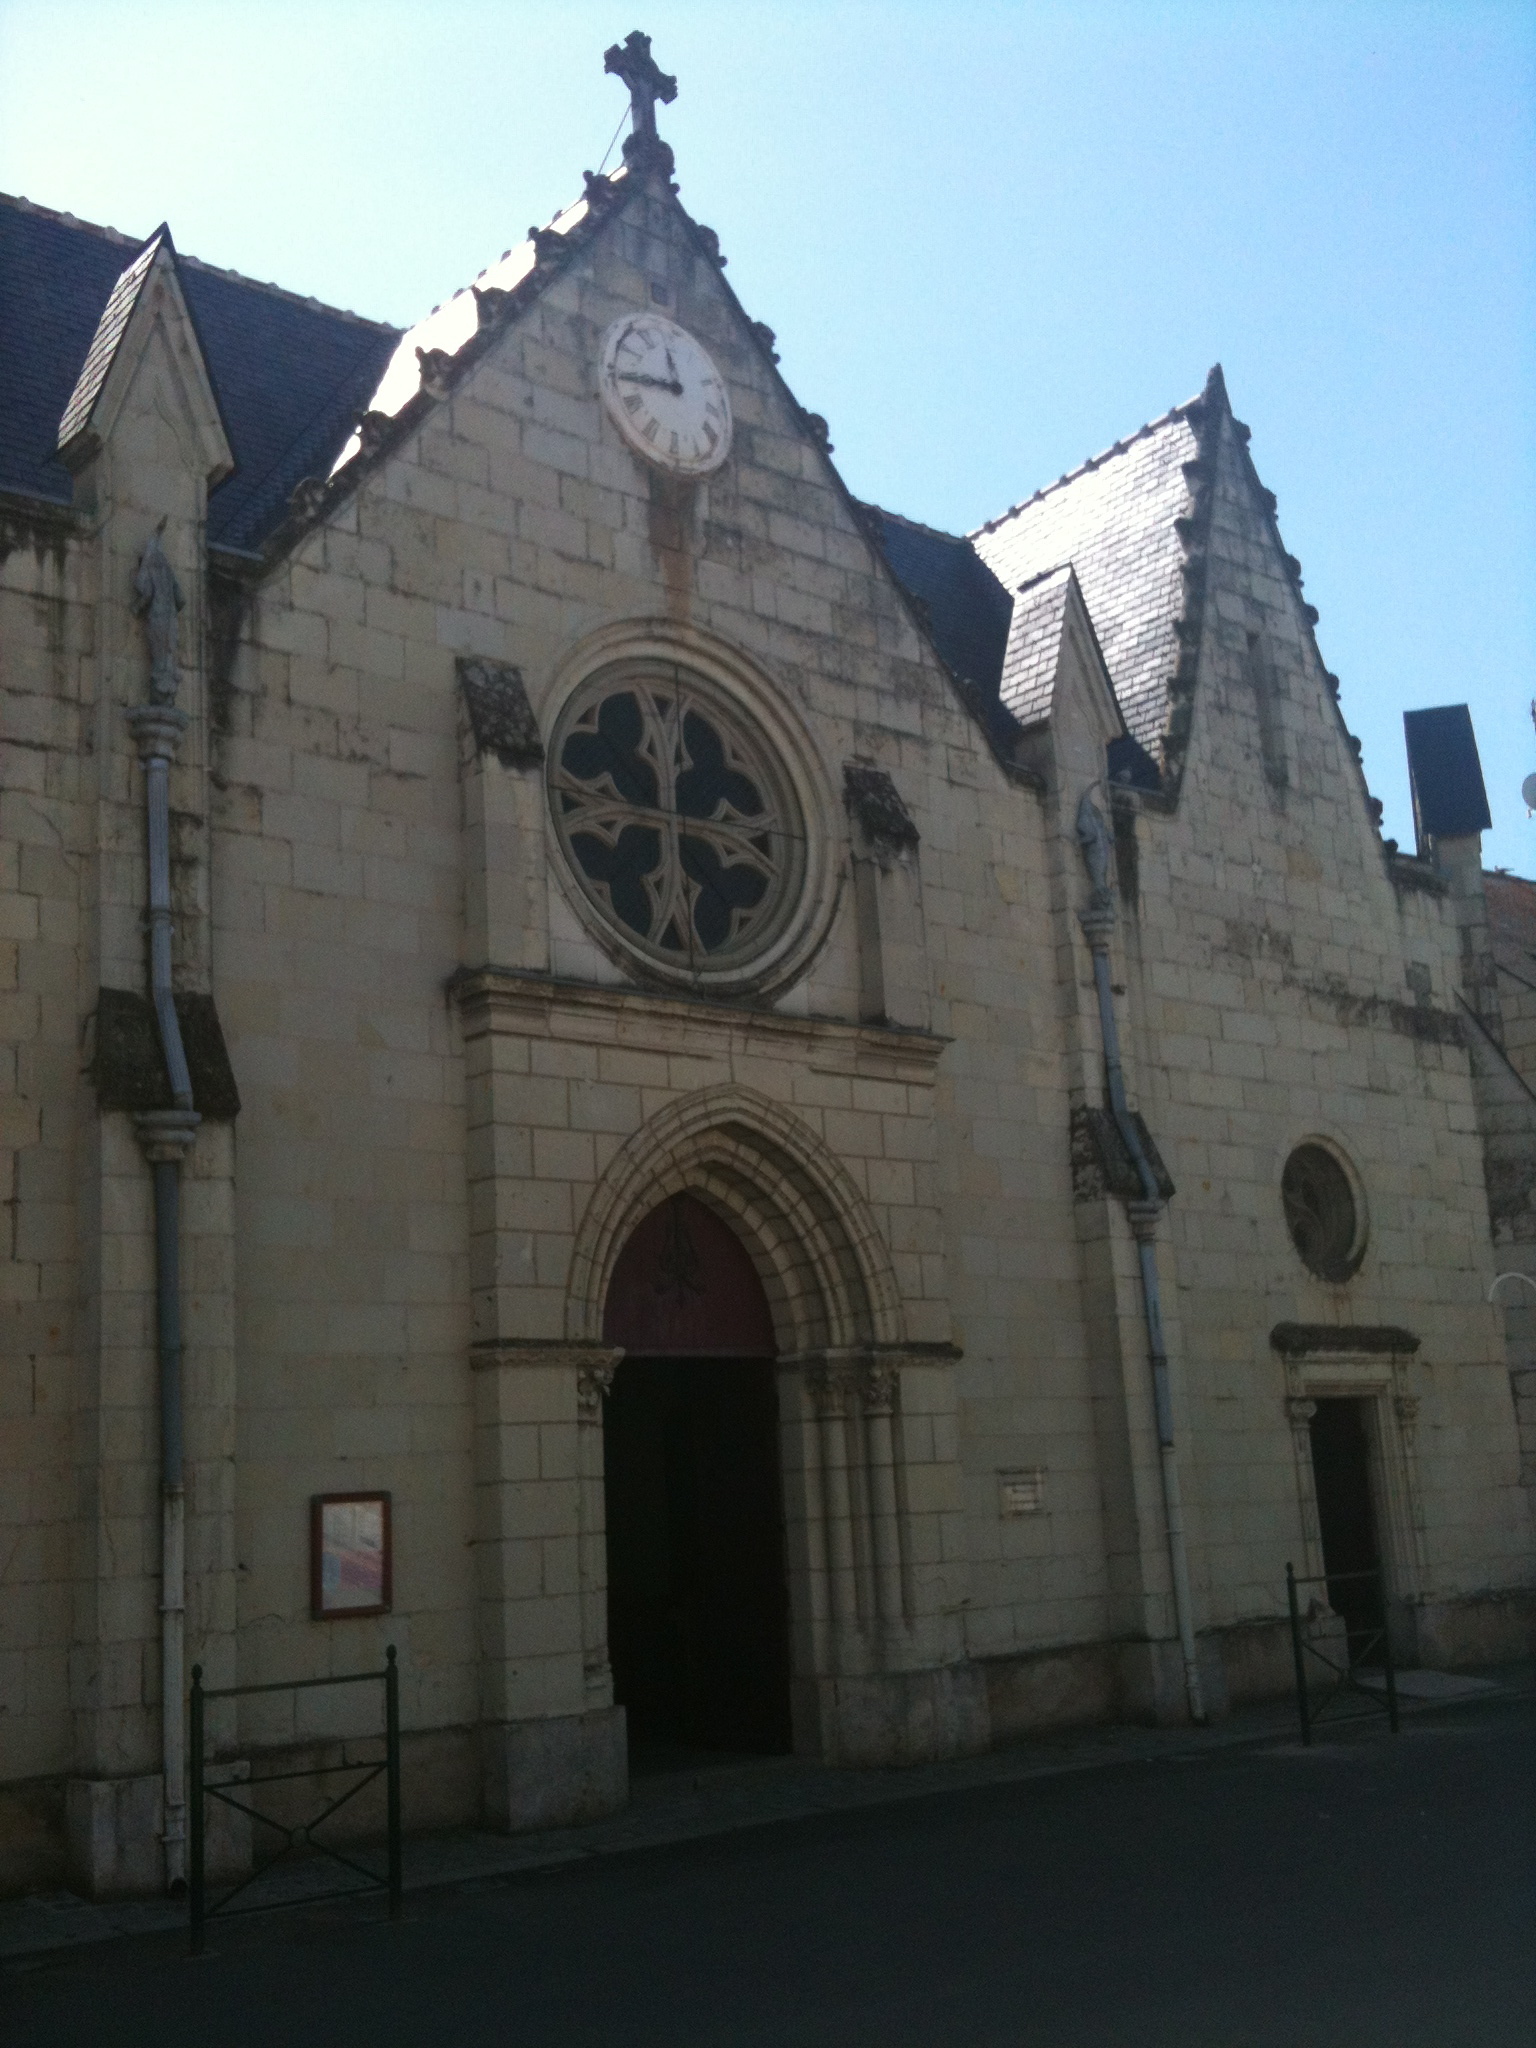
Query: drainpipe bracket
x,y
1098,922
1143,1219
158,729
167,1135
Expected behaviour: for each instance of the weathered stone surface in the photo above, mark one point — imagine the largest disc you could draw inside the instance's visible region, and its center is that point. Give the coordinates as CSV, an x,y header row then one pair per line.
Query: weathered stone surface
x,y
128,1062
456,1099
499,713
555,1772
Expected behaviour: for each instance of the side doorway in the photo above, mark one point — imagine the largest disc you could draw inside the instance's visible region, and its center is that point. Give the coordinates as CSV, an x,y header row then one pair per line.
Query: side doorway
x,y
1347,1522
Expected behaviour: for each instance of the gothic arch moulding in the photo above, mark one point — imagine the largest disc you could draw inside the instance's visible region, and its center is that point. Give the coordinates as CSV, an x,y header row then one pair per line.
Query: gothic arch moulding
x,y
817,1248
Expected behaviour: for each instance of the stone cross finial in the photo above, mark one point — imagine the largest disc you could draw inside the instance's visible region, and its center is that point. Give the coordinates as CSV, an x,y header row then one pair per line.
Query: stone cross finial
x,y
158,600
632,61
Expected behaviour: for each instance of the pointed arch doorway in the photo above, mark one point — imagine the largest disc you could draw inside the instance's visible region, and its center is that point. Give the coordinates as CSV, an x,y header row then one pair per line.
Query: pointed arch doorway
x,y
698,1610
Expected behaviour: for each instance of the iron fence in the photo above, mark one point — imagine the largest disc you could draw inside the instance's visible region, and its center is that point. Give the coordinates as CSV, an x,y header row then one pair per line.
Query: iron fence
x,y
1360,1649
301,1835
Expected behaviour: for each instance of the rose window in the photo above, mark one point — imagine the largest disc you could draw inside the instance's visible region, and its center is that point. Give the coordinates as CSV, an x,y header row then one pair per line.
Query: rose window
x,y
678,822
1321,1213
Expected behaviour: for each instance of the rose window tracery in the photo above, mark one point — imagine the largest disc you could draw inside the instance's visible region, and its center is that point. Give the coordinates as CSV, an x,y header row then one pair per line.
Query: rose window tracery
x,y
678,822
1321,1213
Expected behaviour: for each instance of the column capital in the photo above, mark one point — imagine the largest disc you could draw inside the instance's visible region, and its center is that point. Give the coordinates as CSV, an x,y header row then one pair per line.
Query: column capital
x,y
882,1379
593,1384
869,1376
834,1380
501,1354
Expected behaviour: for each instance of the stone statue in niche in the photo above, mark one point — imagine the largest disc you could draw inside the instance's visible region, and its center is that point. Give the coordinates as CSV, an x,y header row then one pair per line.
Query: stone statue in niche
x,y
159,602
1093,839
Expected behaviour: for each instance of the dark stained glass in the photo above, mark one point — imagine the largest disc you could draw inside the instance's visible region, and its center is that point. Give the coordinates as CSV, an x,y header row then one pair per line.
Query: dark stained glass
x,y
622,867
1320,1212
609,751
707,784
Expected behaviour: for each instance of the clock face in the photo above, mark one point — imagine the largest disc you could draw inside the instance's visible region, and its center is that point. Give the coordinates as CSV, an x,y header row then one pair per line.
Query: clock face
x,y
666,395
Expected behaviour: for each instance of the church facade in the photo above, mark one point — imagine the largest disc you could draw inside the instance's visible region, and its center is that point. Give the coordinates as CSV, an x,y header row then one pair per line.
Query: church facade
x,y
772,1128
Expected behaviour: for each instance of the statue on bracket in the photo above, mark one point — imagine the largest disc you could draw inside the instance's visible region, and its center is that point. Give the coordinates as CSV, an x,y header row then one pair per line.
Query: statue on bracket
x,y
1097,850
159,602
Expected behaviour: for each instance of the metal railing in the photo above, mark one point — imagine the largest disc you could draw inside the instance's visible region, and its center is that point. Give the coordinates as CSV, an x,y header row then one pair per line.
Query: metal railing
x,y
302,1835
1359,1646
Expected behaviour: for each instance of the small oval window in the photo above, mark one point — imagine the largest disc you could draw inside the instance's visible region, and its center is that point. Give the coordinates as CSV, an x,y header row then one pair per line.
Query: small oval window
x,y
1322,1213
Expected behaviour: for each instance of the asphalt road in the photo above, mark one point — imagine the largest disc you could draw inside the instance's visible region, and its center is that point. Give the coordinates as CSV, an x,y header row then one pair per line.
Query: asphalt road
x,y
1369,1891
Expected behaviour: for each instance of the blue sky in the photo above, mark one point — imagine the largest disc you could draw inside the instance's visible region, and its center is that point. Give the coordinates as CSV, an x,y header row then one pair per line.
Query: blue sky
x,y
992,239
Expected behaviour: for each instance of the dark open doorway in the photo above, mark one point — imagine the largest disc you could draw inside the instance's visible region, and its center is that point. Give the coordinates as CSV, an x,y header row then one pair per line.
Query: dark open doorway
x,y
1341,1467
698,1620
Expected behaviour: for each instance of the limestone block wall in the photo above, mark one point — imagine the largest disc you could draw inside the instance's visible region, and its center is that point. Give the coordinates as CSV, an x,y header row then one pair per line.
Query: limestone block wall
x,y
80,1454
1503,1067
1283,986
80,1592
515,526
337,911
446,1076
45,637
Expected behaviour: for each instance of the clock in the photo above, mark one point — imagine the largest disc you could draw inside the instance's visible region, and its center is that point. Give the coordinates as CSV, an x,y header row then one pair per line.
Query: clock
x,y
665,395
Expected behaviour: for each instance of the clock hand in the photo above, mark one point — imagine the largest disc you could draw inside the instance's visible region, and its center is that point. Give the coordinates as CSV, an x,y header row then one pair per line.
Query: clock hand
x,y
656,383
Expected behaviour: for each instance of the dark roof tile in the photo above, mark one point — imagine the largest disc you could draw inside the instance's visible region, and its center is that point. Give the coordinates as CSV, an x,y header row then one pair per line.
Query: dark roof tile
x,y
109,332
965,607
288,373
1034,646
1113,521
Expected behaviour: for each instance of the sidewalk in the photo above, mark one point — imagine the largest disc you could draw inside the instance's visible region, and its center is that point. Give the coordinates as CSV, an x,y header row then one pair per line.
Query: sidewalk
x,y
722,1798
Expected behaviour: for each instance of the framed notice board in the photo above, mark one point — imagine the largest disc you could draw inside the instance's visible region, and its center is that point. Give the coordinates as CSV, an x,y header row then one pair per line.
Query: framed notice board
x,y
351,1562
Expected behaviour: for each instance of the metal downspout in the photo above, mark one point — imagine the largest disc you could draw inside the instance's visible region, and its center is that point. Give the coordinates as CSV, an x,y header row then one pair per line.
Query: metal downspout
x,y
1098,921
166,1136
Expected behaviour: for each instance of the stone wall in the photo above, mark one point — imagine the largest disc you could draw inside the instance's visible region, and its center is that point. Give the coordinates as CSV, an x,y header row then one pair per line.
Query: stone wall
x,y
455,1103
356,831
1290,980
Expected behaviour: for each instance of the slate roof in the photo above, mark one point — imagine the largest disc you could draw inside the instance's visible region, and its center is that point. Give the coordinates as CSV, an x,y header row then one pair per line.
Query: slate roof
x,y
966,608
290,377
1445,774
288,373
1034,646
1113,521
109,332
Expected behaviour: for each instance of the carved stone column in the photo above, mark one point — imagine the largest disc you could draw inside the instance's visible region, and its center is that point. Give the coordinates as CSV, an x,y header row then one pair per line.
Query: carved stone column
x,y
553,1743
593,1383
833,1383
1412,1626
1300,1411
888,1681
879,1391
1404,1502
1406,1407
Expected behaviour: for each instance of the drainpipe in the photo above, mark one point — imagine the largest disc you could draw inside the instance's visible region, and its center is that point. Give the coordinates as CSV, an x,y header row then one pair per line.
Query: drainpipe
x,y
1098,921
166,1136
